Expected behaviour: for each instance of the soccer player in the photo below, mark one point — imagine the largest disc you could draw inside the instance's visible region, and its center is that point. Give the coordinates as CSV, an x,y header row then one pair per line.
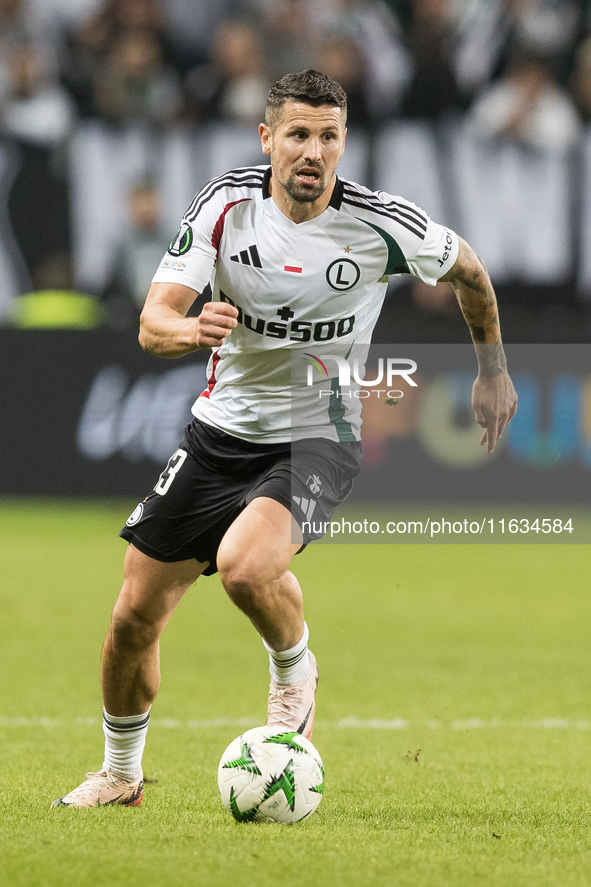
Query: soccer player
x,y
298,260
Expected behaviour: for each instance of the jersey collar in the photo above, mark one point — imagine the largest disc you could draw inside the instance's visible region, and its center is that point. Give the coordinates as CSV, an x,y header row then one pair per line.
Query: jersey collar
x,y
319,221
337,194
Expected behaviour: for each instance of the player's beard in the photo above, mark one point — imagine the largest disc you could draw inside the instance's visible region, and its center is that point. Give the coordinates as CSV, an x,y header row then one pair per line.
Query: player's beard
x,y
304,193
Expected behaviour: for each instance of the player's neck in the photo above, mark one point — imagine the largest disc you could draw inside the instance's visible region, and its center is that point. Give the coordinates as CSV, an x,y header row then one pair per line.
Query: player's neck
x,y
299,211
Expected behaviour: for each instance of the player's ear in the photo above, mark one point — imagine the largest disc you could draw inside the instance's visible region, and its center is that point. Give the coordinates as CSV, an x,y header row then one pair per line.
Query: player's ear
x,y
265,134
344,139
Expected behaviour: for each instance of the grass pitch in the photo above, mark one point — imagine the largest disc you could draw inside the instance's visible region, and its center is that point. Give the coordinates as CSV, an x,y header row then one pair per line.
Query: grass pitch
x,y
453,717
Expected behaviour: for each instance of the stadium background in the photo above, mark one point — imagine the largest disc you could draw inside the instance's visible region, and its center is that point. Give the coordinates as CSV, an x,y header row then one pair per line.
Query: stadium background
x,y
112,114
454,711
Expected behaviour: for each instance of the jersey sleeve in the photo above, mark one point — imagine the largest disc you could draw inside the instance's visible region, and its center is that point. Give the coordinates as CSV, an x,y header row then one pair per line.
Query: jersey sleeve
x,y
415,244
436,254
428,249
191,256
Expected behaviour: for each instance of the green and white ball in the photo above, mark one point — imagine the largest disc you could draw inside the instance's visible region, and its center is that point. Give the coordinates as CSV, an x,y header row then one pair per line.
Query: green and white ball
x,y
271,775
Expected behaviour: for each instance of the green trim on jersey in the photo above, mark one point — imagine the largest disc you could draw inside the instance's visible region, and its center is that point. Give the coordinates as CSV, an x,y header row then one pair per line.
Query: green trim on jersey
x,y
336,411
396,260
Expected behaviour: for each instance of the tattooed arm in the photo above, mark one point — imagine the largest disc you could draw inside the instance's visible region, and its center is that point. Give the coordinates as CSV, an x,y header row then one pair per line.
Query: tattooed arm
x,y
493,396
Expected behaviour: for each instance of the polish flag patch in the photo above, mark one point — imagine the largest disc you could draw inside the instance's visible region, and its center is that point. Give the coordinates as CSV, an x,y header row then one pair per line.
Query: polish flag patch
x,y
293,266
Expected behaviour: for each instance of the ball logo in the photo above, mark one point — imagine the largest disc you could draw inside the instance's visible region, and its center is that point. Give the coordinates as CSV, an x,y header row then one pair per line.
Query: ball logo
x,y
343,274
136,516
182,241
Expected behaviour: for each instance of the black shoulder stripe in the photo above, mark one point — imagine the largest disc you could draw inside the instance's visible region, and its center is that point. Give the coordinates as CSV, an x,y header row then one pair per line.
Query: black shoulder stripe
x,y
234,178
388,215
247,170
411,218
240,171
396,212
248,175
243,183
409,212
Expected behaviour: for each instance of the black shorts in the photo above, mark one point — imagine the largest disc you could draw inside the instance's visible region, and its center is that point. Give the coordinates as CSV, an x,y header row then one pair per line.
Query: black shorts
x,y
213,476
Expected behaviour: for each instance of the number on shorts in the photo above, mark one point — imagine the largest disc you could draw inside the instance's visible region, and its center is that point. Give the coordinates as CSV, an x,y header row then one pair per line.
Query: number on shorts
x,y
175,463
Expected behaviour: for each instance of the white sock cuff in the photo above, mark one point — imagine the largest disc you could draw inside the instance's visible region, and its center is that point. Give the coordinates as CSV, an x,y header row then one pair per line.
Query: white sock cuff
x,y
125,739
290,666
127,722
293,651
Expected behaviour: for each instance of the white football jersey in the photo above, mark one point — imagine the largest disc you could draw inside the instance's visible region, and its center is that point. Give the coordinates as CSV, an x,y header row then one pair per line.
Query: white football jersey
x,y
304,292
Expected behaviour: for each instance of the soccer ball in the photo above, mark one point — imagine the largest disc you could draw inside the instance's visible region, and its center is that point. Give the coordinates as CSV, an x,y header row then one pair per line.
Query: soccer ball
x,y
271,775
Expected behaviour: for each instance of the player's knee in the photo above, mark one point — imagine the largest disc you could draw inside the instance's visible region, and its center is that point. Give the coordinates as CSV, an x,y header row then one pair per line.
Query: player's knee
x,y
130,631
242,581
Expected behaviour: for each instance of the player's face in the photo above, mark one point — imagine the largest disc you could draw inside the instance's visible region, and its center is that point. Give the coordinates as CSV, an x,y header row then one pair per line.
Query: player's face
x,y
305,147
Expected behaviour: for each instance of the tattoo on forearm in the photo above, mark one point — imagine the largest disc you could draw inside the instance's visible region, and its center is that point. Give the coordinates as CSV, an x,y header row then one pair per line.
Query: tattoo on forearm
x,y
478,303
476,298
491,359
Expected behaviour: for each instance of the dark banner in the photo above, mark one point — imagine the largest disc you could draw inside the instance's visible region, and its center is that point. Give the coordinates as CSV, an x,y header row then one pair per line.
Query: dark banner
x,y
89,414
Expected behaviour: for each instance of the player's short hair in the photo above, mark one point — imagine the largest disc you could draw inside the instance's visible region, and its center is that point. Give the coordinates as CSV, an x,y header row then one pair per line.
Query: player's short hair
x,y
310,87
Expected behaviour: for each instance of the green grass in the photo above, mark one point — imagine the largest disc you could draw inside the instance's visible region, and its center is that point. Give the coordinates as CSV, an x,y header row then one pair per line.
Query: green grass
x,y
453,717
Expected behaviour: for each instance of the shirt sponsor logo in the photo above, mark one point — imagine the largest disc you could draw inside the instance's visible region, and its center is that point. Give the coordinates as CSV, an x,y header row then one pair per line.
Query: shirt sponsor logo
x,y
447,250
297,330
172,265
343,274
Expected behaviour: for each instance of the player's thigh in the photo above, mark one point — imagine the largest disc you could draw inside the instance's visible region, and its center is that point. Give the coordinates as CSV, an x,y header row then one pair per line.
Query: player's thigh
x,y
259,545
153,589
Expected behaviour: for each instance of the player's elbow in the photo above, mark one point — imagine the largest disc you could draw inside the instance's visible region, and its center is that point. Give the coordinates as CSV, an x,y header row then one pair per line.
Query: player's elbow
x,y
144,337
149,341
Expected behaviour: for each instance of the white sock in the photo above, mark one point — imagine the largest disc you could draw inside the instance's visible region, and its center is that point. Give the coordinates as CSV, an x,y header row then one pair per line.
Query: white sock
x,y
289,666
125,739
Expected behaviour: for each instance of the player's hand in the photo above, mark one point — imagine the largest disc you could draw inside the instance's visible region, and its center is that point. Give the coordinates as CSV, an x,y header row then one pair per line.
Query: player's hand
x,y
215,323
494,401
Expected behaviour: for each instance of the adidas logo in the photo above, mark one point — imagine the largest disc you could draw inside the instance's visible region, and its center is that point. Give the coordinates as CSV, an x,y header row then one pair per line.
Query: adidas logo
x,y
248,256
307,505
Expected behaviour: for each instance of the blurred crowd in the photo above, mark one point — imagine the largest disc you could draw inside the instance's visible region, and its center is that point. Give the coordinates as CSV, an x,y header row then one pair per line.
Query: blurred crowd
x,y
518,69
